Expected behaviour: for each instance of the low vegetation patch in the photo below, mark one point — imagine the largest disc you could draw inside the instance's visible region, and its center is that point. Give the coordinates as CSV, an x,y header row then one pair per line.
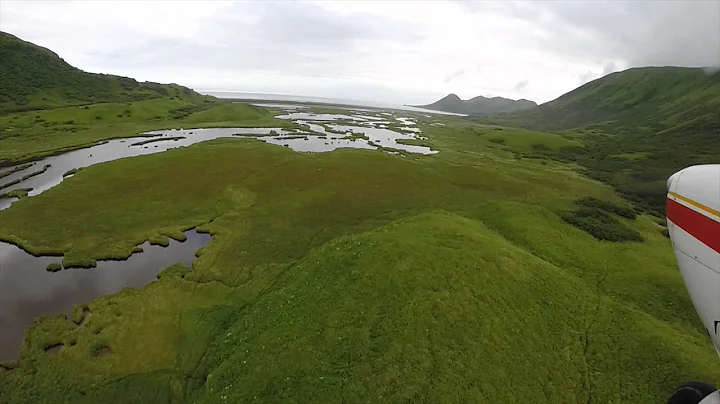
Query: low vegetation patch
x,y
594,203
356,136
414,142
177,270
53,267
601,225
157,139
331,130
24,177
291,137
72,171
15,169
16,193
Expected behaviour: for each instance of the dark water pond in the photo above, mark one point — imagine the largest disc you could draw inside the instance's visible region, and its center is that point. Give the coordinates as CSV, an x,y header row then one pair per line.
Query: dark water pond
x,y
28,290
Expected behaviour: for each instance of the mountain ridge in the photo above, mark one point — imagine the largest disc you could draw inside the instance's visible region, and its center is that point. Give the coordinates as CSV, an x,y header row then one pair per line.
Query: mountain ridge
x,y
659,96
33,77
638,126
478,105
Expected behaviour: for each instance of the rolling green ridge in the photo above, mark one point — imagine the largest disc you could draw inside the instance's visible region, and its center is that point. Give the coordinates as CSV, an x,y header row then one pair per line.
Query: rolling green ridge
x,y
479,274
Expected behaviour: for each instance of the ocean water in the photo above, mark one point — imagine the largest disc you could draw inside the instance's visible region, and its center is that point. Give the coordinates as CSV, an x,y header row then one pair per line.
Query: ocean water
x,y
319,100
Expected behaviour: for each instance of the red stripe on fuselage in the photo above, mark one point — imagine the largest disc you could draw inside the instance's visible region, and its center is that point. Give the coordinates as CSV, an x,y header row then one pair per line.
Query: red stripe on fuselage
x,y
698,225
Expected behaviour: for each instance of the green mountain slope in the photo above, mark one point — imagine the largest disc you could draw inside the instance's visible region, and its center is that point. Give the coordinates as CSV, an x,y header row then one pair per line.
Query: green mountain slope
x,y
32,77
479,105
638,127
651,98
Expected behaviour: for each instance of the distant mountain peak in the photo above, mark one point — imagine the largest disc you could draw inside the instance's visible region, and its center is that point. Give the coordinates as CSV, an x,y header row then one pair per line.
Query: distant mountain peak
x,y
478,105
452,96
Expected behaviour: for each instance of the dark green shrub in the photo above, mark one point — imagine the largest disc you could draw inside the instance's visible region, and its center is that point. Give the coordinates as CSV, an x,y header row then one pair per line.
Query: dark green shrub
x,y
601,225
624,211
182,112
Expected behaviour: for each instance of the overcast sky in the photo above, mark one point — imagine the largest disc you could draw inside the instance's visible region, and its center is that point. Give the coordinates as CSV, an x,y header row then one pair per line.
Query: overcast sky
x,y
403,52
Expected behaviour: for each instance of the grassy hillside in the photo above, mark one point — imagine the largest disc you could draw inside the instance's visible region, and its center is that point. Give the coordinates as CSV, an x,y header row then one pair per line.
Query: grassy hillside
x,y
638,127
647,99
360,276
32,77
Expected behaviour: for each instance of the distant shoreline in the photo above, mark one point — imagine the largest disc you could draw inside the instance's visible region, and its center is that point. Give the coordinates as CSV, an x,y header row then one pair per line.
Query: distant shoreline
x,y
285,98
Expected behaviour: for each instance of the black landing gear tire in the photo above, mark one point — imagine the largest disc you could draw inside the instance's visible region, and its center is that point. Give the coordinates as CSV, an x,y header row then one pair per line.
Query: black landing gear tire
x,y
691,393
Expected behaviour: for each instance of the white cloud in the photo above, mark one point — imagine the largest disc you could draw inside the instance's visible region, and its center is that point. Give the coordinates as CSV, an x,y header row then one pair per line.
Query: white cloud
x,y
398,52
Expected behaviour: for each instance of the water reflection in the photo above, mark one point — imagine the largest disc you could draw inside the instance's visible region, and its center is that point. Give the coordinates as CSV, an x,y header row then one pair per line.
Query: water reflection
x,y
28,290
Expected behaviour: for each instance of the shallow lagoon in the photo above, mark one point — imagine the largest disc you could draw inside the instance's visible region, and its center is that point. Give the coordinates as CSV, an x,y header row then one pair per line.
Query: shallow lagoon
x,y
29,290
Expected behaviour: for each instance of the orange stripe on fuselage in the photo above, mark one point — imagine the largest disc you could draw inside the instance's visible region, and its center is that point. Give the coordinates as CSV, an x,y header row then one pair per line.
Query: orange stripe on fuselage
x,y
698,205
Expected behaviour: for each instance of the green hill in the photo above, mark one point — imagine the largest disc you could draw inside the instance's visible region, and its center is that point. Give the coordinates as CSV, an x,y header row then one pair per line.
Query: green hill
x,y
638,126
32,77
651,98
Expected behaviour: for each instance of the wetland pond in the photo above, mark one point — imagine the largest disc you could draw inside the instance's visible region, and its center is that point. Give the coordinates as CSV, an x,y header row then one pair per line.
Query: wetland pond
x,y
28,289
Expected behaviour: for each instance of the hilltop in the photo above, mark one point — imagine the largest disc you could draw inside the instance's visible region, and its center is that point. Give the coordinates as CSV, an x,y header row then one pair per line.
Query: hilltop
x,y
479,105
33,77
